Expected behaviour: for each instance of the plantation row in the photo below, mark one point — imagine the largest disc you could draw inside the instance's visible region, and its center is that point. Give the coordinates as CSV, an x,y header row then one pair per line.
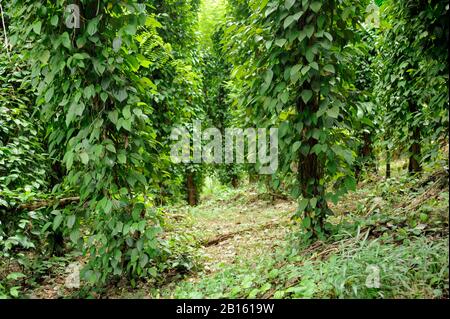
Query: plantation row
x,y
87,111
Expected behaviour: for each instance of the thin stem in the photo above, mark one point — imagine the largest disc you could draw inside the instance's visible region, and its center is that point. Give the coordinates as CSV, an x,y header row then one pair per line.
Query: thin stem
x,y
4,30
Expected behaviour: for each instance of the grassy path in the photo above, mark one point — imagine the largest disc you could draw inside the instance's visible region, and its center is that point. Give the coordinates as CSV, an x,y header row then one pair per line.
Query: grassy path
x,y
239,234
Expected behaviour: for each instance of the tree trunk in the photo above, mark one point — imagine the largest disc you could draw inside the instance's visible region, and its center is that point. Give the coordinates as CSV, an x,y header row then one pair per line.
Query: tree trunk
x,y
414,165
366,160
414,149
388,163
56,238
191,190
310,172
367,151
253,178
234,181
310,169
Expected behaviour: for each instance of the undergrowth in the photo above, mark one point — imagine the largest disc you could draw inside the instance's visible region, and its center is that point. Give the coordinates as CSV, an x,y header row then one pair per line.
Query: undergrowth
x,y
393,244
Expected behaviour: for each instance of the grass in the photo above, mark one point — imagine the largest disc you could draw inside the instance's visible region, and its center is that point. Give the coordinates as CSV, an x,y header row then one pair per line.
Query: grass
x,y
417,269
392,242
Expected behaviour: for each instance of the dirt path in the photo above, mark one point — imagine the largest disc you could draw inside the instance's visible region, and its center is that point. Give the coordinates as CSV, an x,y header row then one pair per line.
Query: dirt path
x,y
238,228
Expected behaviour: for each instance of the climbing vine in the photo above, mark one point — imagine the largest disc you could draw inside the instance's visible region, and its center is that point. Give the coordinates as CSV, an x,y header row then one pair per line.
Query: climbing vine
x,y
297,83
96,103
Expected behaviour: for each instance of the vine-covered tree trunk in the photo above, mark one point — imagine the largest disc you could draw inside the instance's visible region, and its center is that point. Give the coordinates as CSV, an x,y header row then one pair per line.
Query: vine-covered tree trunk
x,y
234,181
310,172
414,149
56,238
388,163
414,164
365,155
98,112
191,189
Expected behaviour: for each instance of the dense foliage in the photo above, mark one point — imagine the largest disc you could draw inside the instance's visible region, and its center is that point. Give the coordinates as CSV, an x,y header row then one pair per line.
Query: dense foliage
x,y
87,111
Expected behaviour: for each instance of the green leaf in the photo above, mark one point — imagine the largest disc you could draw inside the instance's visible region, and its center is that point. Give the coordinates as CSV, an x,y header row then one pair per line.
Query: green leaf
x,y
54,20
328,35
71,221
130,29
65,40
126,112
74,235
57,221
289,3
126,124
305,69
113,116
298,15
284,97
15,276
306,222
309,30
110,148
270,10
269,76
92,26
302,205
103,96
316,148
329,68
295,69
301,35
44,57
284,127
138,112
49,94
121,158
314,65
37,27
306,95
280,42
309,55
14,291
292,18
69,159
143,260
121,95
84,158
333,112
74,110
108,206
315,6
296,146
89,91
343,153
99,67
350,183
288,21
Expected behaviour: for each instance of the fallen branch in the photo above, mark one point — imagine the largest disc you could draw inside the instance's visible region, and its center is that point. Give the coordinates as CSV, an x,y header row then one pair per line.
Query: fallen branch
x,y
279,195
224,237
275,195
47,203
431,192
